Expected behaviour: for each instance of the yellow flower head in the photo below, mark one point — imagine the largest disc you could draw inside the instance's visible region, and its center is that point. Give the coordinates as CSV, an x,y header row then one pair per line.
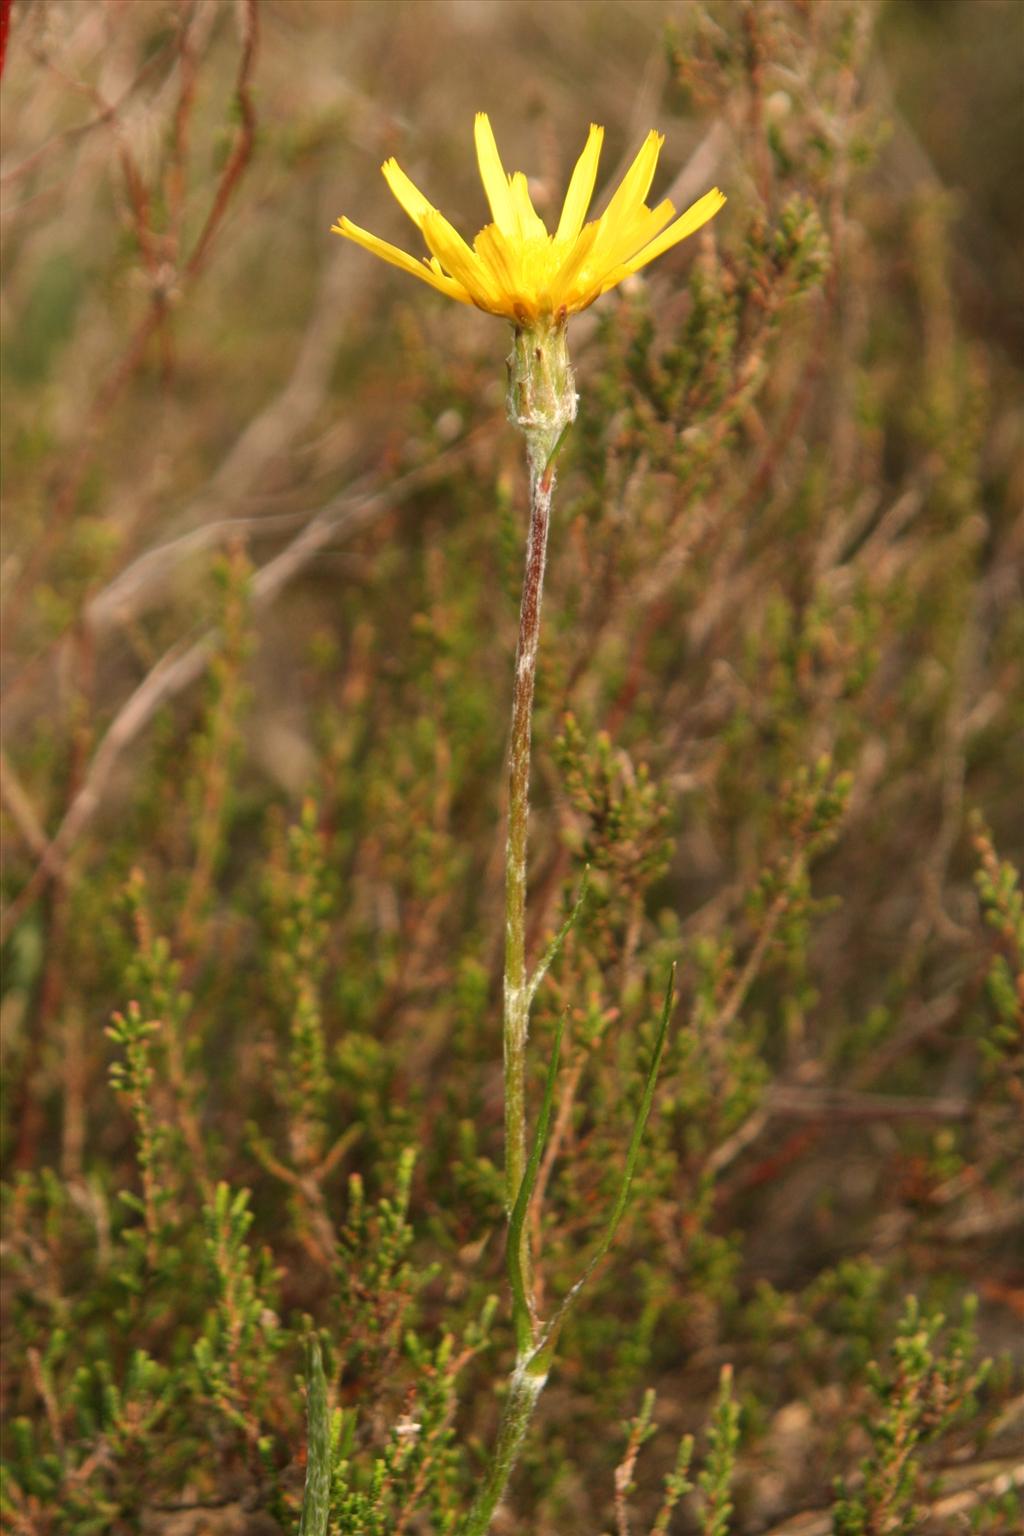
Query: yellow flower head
x,y
515,267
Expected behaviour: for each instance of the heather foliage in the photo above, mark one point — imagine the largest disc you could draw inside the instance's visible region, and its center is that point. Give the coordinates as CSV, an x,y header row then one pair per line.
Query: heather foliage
x,y
263,538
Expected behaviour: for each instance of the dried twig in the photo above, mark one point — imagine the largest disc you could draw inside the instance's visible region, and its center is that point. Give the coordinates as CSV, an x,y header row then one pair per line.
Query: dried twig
x,y
184,662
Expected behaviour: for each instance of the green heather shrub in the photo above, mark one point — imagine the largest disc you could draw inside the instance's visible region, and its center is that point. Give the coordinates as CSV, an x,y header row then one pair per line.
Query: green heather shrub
x,y
264,522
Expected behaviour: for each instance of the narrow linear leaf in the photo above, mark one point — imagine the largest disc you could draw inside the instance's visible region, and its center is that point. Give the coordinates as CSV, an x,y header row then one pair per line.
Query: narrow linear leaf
x,y
514,1256
316,1500
551,953
556,450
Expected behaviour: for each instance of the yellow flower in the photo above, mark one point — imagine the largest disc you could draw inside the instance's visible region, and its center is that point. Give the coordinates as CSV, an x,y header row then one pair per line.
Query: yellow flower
x,y
515,267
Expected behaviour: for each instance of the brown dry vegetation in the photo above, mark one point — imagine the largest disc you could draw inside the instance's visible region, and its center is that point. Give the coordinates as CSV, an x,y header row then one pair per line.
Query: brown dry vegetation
x,y
263,519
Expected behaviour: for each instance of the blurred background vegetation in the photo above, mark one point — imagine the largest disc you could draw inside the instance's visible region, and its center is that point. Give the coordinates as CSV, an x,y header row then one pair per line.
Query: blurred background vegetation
x,y
263,520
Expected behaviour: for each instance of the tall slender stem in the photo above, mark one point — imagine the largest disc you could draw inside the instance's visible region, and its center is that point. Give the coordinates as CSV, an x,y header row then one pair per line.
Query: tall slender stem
x,y
542,403
516,994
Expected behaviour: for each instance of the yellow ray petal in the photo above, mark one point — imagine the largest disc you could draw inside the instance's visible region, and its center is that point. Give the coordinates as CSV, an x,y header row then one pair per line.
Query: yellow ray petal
x,y
497,256
687,223
636,183
492,174
531,225
406,192
617,243
581,187
565,280
493,250
456,257
402,259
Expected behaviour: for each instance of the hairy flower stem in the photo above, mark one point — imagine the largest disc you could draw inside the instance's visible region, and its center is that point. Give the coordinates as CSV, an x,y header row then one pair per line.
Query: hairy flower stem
x,y
542,402
516,995
523,1391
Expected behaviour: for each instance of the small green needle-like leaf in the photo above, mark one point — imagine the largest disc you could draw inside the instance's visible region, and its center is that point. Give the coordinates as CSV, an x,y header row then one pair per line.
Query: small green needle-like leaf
x,y
551,953
517,1279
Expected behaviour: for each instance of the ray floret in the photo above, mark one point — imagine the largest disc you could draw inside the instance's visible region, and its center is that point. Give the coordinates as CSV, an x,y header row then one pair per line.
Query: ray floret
x,y
515,267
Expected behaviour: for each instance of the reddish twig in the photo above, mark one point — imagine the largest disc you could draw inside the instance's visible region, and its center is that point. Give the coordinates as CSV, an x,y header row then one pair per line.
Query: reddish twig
x,y
69,135
5,27
154,318
245,140
182,664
